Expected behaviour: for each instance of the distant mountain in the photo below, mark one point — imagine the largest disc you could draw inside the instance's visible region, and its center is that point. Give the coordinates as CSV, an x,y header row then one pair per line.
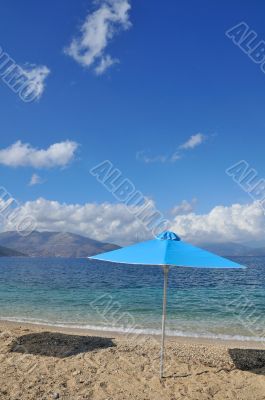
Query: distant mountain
x,y
6,252
233,249
54,244
65,244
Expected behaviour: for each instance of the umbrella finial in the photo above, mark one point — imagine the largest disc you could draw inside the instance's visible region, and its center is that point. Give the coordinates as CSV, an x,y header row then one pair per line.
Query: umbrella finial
x,y
168,235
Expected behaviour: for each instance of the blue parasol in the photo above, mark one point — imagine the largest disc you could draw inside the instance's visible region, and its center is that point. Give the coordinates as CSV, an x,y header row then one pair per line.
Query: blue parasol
x,y
166,250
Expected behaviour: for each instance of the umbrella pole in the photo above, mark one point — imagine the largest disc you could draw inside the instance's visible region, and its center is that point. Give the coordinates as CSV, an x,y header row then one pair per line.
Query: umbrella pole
x,y
165,269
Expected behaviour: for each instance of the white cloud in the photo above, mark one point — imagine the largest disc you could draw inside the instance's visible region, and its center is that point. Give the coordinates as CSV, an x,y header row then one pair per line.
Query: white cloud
x,y
175,157
36,75
235,223
104,64
114,223
184,207
193,141
147,159
35,180
23,155
106,221
89,48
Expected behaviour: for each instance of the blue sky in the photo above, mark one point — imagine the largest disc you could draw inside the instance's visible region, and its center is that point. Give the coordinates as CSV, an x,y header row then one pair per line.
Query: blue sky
x,y
178,75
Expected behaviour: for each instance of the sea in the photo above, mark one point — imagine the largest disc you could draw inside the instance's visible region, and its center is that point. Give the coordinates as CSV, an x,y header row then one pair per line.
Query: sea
x,y
81,293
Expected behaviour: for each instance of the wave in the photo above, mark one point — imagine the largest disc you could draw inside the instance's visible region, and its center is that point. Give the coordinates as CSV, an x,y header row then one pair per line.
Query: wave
x,y
133,331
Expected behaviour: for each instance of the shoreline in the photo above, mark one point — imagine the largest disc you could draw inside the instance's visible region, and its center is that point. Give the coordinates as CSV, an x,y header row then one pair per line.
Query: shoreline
x,y
123,335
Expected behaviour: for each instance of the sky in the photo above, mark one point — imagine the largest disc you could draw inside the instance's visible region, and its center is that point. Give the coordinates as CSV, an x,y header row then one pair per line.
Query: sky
x,y
162,90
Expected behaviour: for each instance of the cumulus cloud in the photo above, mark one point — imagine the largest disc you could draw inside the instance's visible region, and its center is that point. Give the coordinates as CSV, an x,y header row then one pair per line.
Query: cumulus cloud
x,y
24,155
99,28
185,207
114,223
36,75
35,180
235,223
105,222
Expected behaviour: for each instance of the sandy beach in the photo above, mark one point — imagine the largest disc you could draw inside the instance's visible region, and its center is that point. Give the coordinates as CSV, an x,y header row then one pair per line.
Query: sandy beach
x,y
41,362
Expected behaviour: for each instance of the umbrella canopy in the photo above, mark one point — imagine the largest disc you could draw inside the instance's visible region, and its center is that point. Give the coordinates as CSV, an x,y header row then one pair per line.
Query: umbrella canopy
x,y
166,250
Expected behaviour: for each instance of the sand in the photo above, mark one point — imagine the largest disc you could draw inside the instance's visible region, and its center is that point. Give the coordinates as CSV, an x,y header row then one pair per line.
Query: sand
x,y
38,362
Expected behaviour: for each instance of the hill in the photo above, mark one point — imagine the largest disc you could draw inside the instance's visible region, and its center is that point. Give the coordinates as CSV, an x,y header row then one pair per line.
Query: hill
x,y
65,244
53,244
233,249
6,252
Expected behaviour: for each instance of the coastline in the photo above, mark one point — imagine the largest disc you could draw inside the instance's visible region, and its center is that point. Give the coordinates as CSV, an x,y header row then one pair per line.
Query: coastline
x,y
116,334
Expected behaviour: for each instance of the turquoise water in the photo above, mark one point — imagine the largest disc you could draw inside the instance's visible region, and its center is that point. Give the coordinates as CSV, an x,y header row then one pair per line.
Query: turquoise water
x,y
82,293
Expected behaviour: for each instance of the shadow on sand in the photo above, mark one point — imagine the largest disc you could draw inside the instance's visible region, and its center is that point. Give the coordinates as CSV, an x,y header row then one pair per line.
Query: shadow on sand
x,y
251,360
58,344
